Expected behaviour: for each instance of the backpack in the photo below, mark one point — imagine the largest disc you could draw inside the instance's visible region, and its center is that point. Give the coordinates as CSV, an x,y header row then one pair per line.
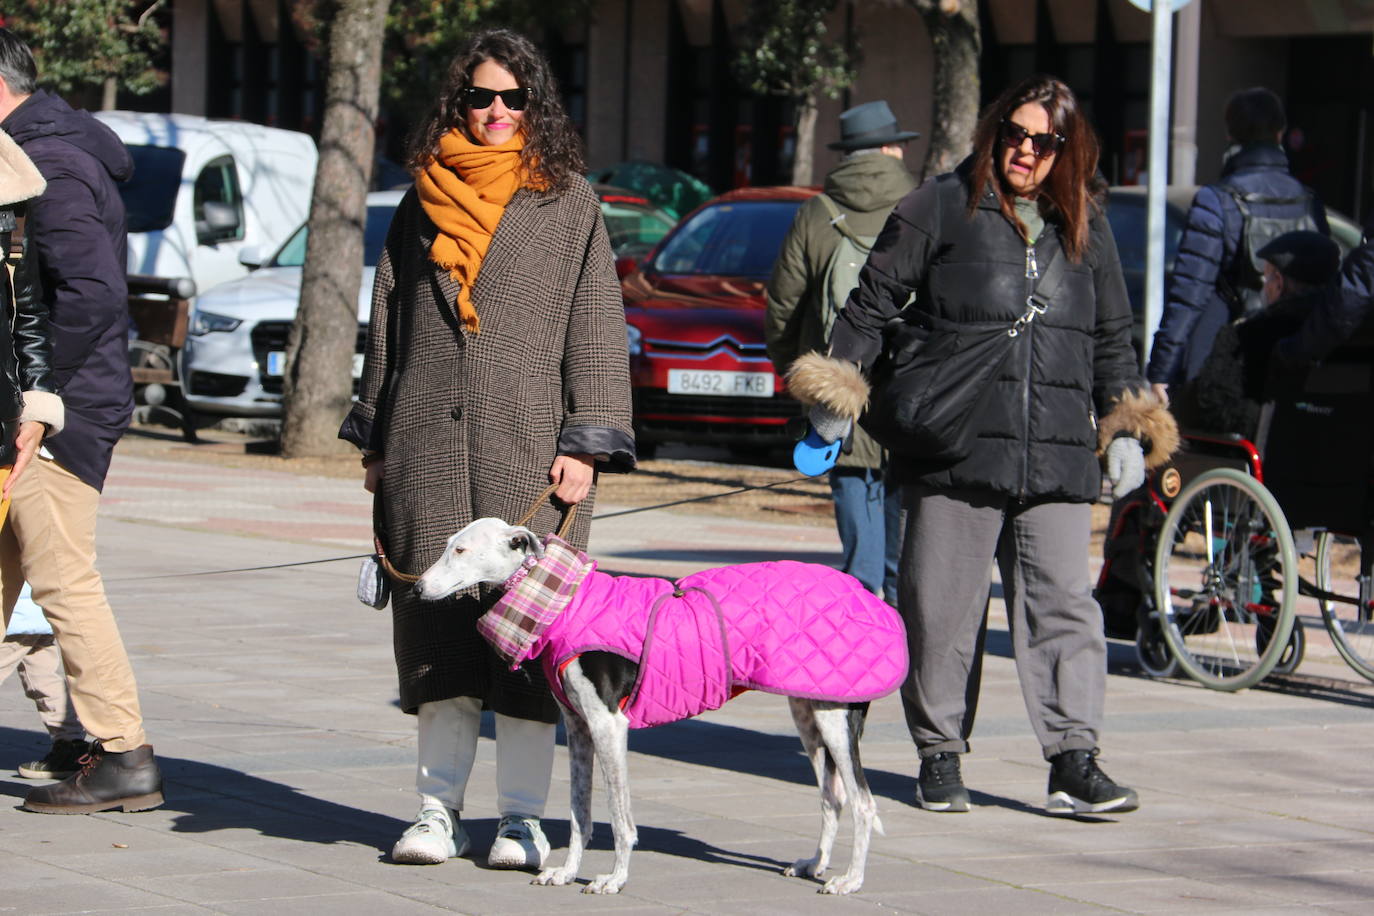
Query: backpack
x,y
841,272
1240,285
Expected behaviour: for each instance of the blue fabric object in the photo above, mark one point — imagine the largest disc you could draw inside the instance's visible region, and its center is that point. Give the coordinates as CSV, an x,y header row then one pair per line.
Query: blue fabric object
x,y
868,517
814,456
28,618
1193,310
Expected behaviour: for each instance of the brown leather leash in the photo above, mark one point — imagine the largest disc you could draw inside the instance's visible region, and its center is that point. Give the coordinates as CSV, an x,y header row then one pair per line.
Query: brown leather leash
x,y
396,575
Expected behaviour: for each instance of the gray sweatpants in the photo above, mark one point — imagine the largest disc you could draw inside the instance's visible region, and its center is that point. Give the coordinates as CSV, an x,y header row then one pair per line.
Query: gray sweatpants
x,y
951,539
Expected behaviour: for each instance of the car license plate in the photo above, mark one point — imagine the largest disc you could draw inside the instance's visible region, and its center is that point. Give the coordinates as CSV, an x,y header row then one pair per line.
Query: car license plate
x,y
276,363
728,384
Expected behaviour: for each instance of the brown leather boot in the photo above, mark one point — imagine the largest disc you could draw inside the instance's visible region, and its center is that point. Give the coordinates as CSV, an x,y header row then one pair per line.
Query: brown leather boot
x,y
130,780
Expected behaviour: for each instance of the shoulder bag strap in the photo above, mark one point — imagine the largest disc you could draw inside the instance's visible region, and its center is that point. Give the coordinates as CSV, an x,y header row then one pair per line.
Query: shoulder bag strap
x,y
841,224
1038,302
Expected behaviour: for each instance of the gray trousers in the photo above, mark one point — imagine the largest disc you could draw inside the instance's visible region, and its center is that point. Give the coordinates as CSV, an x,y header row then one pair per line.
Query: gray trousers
x,y
1041,549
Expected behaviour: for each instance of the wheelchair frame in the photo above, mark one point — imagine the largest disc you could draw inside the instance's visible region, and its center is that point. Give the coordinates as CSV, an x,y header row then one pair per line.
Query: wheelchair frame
x,y
1220,606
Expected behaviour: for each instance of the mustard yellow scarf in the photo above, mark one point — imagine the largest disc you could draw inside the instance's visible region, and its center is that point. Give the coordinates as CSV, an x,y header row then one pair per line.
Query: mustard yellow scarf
x,y
464,190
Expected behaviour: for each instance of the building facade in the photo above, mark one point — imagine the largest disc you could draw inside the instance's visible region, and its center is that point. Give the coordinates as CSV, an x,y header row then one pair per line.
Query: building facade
x,y
652,79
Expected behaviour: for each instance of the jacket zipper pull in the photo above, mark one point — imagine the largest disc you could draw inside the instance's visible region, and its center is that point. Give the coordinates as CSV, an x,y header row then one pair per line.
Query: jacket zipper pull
x,y
1032,268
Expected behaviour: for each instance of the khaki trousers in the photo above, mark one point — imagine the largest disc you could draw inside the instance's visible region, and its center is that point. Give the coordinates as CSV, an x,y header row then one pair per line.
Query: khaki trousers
x,y
49,540
40,671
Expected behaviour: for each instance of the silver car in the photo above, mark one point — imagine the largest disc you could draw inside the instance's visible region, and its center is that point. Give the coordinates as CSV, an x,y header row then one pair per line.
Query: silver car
x,y
235,347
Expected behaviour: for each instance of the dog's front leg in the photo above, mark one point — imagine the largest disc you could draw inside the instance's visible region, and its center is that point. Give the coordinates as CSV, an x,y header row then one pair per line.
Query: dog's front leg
x,y
610,737
580,753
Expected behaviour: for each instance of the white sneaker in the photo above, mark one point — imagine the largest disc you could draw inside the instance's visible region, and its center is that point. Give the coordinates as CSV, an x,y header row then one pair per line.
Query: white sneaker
x,y
519,844
432,839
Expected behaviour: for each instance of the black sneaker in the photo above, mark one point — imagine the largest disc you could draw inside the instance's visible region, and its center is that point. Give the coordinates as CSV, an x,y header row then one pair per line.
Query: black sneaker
x,y
1078,786
939,787
63,760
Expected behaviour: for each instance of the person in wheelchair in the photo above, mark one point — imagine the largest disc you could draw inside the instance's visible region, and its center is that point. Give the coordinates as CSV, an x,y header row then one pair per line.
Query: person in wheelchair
x,y
1226,396
1236,378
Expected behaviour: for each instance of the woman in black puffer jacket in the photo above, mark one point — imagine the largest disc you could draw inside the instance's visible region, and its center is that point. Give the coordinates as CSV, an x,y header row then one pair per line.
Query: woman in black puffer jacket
x,y
972,246
29,407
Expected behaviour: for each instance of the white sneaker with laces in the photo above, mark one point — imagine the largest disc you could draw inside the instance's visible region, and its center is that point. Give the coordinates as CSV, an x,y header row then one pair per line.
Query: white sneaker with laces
x,y
520,843
433,838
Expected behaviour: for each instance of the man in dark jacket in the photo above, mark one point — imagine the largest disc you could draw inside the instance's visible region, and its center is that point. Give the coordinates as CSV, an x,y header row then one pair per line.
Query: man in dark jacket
x,y
30,409
862,190
1214,279
77,231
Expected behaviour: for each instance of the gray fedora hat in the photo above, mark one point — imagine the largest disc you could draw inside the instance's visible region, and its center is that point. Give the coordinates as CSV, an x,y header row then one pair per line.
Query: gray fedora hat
x,y
868,125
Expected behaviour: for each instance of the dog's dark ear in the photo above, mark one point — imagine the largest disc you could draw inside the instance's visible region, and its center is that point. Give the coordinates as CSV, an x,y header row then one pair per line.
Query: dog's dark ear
x,y
525,541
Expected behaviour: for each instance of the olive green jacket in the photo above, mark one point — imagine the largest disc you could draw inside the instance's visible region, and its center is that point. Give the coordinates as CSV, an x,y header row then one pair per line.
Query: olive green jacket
x,y
865,188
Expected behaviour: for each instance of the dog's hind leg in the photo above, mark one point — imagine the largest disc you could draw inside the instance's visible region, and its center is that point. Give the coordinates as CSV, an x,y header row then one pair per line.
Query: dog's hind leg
x,y
609,733
580,753
840,726
827,779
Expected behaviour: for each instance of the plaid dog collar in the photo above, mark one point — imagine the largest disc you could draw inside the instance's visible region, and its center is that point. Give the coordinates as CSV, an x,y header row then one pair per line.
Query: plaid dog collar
x,y
520,573
536,594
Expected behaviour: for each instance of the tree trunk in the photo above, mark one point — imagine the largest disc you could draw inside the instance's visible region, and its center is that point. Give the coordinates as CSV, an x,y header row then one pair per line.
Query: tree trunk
x,y
109,92
954,34
804,150
318,384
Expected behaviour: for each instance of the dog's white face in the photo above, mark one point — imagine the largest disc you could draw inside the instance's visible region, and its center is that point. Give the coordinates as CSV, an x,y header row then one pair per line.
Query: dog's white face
x,y
487,550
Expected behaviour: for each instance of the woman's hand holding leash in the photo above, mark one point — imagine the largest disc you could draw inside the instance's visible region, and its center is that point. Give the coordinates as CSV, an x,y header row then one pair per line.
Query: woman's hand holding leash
x,y
27,442
573,474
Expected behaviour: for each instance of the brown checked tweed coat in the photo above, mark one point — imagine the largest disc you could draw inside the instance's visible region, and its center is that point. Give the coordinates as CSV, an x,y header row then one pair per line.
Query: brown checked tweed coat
x,y
469,425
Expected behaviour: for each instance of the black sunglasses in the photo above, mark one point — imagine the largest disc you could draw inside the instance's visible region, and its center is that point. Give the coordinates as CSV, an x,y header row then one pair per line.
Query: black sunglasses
x,y
1043,145
514,99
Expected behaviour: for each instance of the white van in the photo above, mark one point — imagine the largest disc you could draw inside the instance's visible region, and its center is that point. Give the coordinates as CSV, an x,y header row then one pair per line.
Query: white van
x,y
209,199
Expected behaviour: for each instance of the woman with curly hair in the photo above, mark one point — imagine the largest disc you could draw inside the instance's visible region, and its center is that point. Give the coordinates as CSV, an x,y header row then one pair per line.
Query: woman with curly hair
x,y
496,366
1014,240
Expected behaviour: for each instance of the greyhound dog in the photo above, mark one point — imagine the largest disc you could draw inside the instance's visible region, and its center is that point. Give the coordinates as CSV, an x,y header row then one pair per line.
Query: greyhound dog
x,y
599,691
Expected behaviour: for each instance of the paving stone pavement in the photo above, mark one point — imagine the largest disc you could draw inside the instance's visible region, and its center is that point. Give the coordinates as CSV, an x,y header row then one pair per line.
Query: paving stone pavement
x,y
270,697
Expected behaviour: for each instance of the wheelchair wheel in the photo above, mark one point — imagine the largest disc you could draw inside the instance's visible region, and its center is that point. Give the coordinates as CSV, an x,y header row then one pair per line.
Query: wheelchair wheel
x,y
1351,629
1224,562
1292,653
1153,653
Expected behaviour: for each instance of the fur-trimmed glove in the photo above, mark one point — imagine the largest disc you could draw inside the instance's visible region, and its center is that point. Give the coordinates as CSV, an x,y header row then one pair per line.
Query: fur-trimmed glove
x,y
1125,465
828,424
835,392
834,389
1140,416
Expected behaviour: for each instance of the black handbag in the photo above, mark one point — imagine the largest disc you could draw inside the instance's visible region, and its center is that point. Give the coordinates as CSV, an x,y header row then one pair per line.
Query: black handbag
x,y
934,376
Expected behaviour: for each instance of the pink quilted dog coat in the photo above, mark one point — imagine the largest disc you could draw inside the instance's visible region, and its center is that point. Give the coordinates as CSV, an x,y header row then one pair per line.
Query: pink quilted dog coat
x,y
796,629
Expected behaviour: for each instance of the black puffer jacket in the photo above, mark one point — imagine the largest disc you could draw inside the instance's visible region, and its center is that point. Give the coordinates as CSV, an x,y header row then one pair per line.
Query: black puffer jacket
x,y
1037,433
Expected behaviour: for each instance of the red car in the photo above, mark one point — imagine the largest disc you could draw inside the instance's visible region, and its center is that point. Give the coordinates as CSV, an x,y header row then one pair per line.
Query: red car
x,y
695,311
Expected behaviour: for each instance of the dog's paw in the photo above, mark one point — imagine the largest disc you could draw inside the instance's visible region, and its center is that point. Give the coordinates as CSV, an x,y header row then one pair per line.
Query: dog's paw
x,y
604,884
804,868
842,884
555,877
